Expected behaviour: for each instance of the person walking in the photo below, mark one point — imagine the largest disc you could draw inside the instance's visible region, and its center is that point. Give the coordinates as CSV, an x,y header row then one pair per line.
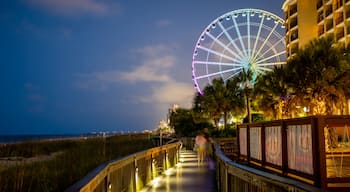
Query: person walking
x,y
201,143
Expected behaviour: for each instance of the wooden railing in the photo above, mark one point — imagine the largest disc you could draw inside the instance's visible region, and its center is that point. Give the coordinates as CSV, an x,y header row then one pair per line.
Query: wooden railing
x,y
314,150
233,176
130,173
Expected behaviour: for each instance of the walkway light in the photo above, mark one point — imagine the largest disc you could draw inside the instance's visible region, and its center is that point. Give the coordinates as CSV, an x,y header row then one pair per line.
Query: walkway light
x,y
155,182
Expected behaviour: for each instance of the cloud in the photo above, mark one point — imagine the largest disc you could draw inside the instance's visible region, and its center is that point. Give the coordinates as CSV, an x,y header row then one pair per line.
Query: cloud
x,y
169,93
157,62
155,71
72,7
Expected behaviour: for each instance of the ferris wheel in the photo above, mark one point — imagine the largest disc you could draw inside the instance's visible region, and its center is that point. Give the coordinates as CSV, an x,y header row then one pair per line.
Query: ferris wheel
x,y
240,40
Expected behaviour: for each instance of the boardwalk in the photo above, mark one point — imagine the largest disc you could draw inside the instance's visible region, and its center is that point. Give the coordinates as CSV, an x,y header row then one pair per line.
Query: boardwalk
x,y
187,176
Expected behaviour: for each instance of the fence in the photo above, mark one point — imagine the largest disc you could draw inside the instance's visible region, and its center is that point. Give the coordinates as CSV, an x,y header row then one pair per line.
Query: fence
x,y
314,150
130,173
232,176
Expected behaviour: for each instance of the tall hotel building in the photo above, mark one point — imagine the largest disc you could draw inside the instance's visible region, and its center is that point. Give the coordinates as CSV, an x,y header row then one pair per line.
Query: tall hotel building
x,y
309,19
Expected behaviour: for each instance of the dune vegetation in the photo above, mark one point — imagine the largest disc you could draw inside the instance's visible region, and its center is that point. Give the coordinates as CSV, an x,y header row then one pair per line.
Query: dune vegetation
x,y
55,165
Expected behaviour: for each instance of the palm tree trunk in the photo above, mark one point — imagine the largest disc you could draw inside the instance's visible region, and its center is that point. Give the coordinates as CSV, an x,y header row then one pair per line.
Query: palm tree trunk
x,y
248,108
225,120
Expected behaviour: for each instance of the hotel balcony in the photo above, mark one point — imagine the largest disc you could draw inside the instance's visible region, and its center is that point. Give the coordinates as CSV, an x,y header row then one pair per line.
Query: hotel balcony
x,y
320,30
340,34
293,22
293,9
294,35
319,4
320,17
329,11
347,14
338,5
329,25
339,19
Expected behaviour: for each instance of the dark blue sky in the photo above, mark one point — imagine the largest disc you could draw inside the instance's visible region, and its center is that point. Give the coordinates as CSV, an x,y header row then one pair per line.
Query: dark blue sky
x,y
76,66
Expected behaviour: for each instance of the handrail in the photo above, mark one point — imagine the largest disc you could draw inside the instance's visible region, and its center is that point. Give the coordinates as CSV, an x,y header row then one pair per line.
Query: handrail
x,y
233,176
138,169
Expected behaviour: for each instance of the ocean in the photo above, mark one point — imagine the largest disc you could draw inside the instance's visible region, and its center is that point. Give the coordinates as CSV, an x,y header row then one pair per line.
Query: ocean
x,y
22,138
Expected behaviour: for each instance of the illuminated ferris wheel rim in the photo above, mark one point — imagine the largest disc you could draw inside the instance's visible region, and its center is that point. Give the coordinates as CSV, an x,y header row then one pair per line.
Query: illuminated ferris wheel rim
x,y
240,57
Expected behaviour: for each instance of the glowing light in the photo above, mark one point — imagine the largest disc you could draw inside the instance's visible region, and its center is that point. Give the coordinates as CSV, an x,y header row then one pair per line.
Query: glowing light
x,y
156,182
169,171
306,109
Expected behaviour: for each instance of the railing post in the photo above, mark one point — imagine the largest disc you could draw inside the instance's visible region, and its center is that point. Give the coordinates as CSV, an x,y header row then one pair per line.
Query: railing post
x,y
321,173
263,150
108,183
135,174
248,143
284,148
226,178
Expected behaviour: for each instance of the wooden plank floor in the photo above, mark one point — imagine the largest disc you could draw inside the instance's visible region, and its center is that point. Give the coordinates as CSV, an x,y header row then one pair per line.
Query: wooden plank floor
x,y
338,166
187,176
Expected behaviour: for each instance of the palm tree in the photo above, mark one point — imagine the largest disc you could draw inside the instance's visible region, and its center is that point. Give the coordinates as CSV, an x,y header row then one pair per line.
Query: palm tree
x,y
235,95
209,107
271,94
219,100
314,76
246,83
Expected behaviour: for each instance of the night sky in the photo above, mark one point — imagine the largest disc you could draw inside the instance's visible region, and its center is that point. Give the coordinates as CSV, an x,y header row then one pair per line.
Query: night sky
x,y
78,66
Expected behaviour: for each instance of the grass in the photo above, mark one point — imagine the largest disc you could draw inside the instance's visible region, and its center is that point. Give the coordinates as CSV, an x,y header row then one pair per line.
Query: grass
x,y
73,160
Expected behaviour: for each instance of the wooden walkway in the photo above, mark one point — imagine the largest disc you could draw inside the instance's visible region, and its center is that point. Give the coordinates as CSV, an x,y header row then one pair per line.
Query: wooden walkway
x,y
187,176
